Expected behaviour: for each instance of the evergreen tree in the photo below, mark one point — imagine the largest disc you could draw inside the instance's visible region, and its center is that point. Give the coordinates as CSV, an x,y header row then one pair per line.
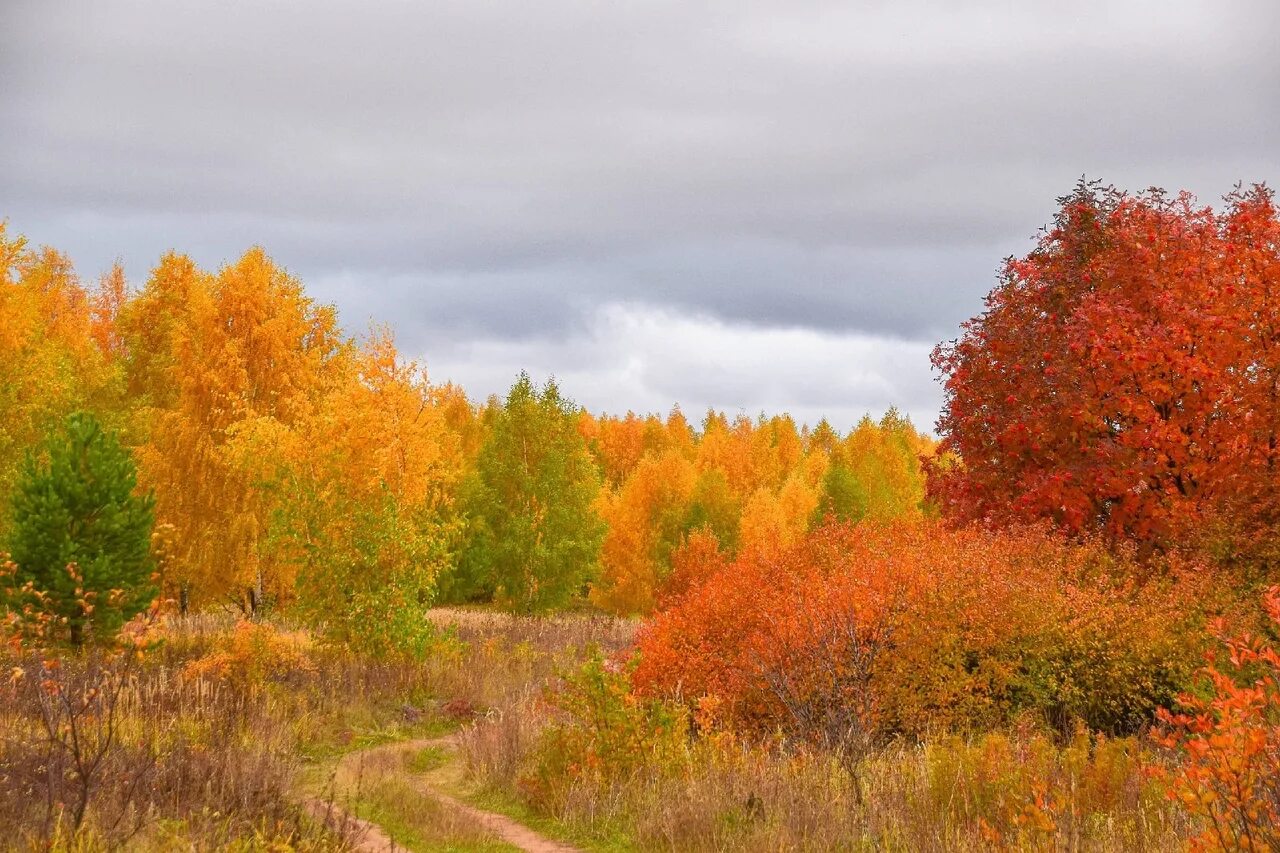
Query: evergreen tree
x,y
75,504
535,535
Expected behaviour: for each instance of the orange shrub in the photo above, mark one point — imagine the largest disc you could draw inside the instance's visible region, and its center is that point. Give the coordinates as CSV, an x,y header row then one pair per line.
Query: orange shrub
x,y
1230,742
694,560
252,654
865,630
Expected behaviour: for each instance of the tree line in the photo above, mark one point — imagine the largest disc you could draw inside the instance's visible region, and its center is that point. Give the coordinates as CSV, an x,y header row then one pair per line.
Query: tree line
x,y
278,461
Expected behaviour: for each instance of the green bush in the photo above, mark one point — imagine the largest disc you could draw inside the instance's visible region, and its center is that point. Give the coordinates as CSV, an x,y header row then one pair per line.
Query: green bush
x,y
80,534
601,732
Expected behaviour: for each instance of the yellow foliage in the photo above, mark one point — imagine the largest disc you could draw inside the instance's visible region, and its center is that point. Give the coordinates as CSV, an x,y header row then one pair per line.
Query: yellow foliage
x,y
50,364
252,654
643,516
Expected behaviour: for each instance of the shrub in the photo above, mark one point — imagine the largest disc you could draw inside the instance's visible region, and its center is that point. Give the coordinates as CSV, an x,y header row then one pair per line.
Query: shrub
x,y
1230,745
601,731
697,557
251,655
874,629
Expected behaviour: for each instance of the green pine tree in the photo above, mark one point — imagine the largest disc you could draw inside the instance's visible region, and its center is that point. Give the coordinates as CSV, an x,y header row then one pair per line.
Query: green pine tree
x,y
75,504
535,536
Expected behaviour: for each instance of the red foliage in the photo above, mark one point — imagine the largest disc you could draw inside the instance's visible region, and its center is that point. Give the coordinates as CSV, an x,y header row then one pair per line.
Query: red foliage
x,y
693,561
1125,376
885,628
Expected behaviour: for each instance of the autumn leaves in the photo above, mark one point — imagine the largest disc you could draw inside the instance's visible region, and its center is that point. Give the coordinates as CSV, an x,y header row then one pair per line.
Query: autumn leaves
x,y
300,468
1125,378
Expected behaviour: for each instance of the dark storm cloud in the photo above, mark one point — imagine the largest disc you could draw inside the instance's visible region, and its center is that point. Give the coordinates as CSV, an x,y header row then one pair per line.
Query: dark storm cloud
x,y
475,170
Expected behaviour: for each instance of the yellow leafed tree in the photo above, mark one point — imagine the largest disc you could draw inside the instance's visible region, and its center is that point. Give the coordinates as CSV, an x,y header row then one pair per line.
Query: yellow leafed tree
x,y
645,520
50,364
233,374
370,521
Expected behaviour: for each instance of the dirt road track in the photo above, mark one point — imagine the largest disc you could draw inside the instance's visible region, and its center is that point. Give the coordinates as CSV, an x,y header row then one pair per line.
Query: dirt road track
x,y
368,837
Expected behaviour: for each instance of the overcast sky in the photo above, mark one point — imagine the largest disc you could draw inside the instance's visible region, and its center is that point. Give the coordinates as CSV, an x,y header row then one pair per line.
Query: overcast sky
x,y
747,205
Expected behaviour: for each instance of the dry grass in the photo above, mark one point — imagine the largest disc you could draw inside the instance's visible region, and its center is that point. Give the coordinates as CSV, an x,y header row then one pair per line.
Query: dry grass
x,y
504,661
554,634
384,786
722,794
212,762
203,761
217,740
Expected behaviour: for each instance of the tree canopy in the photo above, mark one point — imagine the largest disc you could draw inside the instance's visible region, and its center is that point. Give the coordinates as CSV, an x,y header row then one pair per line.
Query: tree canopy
x,y
1125,377
536,539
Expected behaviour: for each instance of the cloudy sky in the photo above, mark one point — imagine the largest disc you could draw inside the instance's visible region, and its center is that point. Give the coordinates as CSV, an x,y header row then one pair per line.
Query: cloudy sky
x,y
755,206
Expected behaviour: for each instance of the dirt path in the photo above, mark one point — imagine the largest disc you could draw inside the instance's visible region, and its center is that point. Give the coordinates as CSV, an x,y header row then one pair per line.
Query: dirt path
x,y
370,838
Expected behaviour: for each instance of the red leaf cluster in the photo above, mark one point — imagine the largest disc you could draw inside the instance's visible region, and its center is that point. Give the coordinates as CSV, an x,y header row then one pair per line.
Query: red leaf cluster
x,y
1125,376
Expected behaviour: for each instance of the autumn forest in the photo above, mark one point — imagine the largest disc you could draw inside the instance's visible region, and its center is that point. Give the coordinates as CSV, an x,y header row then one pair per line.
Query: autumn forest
x,y
269,584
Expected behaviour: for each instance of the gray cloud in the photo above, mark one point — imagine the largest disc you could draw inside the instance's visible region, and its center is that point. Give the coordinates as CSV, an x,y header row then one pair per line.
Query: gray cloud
x,y
647,358
473,172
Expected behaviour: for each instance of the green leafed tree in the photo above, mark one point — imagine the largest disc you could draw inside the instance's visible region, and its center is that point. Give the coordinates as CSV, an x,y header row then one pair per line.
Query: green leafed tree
x,y
844,497
75,504
535,536
714,507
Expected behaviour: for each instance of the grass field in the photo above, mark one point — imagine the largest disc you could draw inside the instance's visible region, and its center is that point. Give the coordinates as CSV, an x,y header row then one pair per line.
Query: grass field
x,y
223,730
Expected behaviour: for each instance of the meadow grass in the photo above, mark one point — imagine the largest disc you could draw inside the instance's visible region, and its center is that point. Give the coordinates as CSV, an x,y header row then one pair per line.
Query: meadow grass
x,y
209,761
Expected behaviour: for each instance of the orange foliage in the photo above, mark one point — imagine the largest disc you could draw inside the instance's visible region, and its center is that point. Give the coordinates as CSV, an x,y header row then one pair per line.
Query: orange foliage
x,y
773,522
250,359
644,518
618,444
694,561
757,486
911,625
263,427
383,432
252,654
728,448
50,364
1230,745
104,309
